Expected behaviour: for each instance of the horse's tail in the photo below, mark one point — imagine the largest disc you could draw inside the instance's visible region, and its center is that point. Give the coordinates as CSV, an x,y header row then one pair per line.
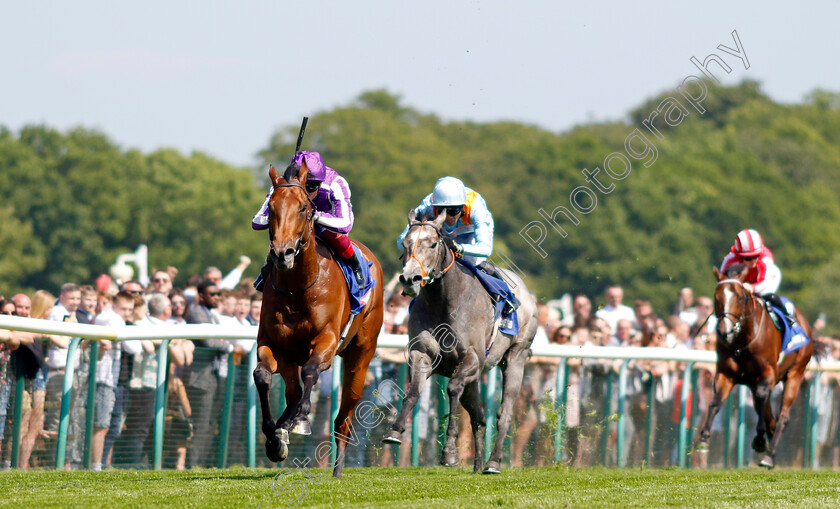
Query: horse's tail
x,y
821,349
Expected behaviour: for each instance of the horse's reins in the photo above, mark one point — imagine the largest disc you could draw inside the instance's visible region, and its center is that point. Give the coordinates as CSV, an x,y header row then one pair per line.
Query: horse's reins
x,y
300,243
427,276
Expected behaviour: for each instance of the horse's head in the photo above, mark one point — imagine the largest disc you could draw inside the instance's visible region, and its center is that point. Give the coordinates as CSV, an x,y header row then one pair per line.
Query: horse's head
x,y
732,300
291,217
423,252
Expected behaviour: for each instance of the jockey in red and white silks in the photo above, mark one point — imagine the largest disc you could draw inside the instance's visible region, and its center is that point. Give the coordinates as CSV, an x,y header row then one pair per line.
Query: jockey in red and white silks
x,y
764,276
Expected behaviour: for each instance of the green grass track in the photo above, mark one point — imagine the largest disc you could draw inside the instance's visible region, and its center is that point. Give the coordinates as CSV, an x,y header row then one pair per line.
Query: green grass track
x,y
423,487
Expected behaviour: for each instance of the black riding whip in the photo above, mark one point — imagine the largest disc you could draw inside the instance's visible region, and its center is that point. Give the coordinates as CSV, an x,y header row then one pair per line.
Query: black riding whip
x,y
300,135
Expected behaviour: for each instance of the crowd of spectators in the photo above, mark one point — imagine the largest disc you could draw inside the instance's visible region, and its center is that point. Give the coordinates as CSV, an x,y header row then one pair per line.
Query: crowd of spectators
x,y
126,371
126,377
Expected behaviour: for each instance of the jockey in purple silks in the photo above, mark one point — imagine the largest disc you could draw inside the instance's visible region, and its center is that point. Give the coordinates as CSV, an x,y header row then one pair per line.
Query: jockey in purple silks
x,y
333,212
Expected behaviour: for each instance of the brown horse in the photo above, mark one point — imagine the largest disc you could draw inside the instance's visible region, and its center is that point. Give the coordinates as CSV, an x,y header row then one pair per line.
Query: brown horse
x,y
306,306
748,348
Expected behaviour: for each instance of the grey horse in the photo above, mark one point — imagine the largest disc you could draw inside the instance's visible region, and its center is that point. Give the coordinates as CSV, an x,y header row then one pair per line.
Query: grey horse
x,y
451,326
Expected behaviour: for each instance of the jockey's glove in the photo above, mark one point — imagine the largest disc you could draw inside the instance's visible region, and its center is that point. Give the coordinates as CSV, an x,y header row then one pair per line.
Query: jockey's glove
x,y
451,244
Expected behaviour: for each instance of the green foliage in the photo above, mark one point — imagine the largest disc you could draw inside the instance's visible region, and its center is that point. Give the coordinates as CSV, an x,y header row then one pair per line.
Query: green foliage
x,y
78,200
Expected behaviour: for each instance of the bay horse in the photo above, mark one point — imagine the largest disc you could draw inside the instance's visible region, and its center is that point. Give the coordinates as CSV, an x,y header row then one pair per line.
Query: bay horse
x,y
748,347
305,307
450,327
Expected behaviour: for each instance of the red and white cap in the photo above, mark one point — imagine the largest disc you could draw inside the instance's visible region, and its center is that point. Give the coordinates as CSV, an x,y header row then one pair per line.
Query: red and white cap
x,y
748,243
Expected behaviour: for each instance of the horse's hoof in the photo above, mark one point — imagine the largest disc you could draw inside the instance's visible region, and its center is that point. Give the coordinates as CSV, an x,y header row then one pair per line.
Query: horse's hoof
x,y
302,427
767,462
449,459
276,450
284,435
492,467
392,437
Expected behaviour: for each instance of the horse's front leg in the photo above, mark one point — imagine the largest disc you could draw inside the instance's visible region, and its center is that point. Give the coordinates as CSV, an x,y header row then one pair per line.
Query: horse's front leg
x,y
723,386
420,365
275,449
299,421
294,393
468,371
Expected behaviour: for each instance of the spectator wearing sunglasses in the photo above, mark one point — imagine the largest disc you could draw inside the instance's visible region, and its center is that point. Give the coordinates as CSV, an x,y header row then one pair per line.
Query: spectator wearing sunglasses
x,y
161,282
204,377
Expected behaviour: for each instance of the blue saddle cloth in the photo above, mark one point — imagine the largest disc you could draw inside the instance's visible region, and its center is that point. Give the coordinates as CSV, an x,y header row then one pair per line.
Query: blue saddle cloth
x,y
497,287
793,336
356,293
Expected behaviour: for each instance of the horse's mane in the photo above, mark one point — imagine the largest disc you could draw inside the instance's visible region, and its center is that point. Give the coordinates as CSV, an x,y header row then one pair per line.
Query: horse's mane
x,y
291,172
733,271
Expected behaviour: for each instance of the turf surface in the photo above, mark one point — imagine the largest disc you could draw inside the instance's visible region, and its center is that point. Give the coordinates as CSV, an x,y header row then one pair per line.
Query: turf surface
x,y
423,487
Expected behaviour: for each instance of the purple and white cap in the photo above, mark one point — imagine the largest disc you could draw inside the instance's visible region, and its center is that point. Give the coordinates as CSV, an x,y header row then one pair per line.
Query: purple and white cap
x,y
315,163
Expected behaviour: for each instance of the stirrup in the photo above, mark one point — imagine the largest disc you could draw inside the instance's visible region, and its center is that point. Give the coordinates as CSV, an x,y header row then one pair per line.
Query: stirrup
x,y
360,278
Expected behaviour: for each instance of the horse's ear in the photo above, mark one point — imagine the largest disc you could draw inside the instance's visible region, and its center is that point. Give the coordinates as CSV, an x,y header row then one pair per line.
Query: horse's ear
x,y
440,218
717,273
412,215
273,175
303,172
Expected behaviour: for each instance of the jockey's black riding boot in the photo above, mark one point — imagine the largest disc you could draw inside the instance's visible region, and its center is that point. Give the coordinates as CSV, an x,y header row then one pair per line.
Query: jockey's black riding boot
x,y
775,300
265,272
353,262
511,303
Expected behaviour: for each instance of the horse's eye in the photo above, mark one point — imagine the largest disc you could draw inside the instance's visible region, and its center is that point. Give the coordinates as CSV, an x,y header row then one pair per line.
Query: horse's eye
x,y
303,209
434,245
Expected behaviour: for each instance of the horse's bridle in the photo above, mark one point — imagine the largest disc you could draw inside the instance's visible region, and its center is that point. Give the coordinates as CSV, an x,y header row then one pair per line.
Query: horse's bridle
x,y
310,224
746,298
428,277
300,243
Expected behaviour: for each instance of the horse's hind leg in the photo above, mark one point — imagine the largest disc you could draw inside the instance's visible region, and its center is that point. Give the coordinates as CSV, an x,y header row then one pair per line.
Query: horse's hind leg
x,y
356,363
468,371
792,384
761,401
513,371
275,449
421,365
471,399
723,386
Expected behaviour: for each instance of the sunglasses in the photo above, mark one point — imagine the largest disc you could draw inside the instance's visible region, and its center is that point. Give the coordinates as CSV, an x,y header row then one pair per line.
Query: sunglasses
x,y
160,280
134,292
749,258
564,336
453,211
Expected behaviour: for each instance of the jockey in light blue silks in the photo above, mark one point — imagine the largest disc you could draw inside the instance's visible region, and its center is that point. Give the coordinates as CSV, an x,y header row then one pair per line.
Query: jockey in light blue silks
x,y
468,227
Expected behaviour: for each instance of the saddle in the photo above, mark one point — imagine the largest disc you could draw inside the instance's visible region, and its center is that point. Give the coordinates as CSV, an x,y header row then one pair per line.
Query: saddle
x,y
793,335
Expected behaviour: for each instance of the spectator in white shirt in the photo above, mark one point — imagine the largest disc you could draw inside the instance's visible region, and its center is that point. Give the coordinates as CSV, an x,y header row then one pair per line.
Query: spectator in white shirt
x,y
615,310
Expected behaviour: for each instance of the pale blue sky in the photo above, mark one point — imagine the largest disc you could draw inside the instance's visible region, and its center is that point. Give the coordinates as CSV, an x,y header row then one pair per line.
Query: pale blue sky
x,y
221,77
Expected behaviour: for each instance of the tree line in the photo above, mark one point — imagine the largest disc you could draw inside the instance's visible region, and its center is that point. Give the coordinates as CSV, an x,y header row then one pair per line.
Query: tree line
x,y
74,200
